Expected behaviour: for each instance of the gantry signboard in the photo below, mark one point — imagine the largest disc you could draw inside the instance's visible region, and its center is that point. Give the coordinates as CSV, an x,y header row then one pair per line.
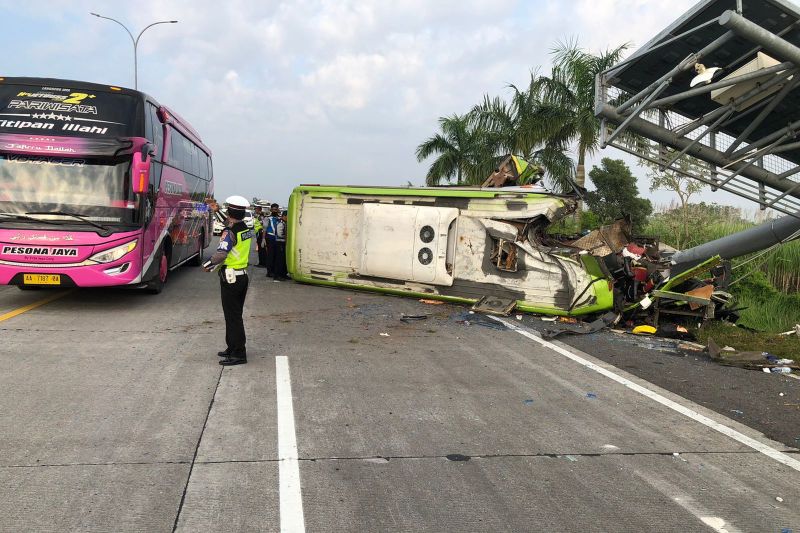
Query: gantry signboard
x,y
715,96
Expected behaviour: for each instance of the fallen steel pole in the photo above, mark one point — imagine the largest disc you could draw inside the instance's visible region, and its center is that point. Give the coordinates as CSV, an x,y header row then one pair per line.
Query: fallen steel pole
x,y
745,242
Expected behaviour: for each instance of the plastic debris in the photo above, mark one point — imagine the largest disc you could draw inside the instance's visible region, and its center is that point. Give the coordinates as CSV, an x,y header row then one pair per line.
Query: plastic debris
x,y
644,329
737,412
608,319
431,302
407,318
778,499
591,395
528,402
385,335
778,370
691,346
549,318
519,317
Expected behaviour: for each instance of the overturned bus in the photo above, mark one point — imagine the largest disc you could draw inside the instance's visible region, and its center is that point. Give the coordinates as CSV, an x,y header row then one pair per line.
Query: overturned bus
x,y
452,244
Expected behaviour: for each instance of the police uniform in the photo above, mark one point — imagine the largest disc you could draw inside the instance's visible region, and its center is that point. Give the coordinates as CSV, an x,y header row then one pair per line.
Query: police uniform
x,y
261,245
276,248
232,255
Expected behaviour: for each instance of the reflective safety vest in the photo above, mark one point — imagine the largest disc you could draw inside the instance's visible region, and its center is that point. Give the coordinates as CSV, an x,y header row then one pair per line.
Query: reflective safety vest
x,y
257,225
239,255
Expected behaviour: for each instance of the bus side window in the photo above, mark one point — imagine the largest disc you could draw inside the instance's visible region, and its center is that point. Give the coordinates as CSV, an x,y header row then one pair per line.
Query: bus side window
x,y
156,131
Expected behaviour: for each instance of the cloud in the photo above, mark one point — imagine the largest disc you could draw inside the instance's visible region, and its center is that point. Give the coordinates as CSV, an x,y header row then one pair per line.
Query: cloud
x,y
320,90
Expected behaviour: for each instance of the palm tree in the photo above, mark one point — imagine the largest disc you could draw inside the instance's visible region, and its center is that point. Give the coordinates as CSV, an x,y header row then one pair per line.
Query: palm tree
x,y
465,152
529,127
570,88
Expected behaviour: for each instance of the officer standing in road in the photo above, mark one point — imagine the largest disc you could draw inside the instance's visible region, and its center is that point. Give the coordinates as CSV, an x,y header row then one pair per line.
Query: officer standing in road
x,y
233,254
261,242
276,244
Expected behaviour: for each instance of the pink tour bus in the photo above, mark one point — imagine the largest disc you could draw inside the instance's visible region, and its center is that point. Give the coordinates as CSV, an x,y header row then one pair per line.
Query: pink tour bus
x,y
99,186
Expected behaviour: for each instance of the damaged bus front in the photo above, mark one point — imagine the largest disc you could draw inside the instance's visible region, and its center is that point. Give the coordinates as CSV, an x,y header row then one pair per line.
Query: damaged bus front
x,y
453,244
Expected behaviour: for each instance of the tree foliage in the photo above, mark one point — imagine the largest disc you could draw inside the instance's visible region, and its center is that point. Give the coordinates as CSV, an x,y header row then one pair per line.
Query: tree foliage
x,y
617,194
525,126
570,89
464,153
684,187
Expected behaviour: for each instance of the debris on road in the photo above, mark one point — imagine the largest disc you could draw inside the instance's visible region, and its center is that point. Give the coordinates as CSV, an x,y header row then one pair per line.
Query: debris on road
x,y
751,359
580,328
432,302
468,319
385,335
644,330
494,305
409,318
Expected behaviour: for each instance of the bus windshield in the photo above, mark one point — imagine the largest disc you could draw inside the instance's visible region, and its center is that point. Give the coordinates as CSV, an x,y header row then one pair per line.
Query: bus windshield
x,y
98,190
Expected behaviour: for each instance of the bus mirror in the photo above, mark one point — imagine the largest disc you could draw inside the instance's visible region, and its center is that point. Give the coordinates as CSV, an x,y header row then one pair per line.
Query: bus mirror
x,y
140,172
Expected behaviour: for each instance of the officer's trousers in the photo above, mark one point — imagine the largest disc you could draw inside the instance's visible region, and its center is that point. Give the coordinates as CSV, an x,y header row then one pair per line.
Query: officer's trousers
x,y
233,295
262,249
276,259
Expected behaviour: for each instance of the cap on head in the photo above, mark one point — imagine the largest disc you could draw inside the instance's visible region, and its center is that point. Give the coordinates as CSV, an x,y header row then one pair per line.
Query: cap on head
x,y
237,206
237,202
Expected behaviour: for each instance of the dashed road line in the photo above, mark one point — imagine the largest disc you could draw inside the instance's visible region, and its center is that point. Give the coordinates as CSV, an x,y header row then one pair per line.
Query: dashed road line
x,y
291,500
675,406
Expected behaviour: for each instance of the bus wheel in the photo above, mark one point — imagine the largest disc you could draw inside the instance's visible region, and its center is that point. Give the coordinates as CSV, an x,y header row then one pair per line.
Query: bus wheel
x,y
156,285
198,259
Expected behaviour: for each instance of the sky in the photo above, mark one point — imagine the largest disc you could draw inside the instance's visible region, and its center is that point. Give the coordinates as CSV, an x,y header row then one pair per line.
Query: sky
x,y
321,91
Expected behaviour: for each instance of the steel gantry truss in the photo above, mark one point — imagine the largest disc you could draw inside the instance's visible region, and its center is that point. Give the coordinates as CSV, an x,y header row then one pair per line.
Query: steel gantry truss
x,y
747,145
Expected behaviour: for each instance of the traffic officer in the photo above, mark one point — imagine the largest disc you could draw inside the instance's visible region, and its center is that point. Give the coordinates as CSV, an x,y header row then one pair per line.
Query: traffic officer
x,y
276,244
261,243
232,257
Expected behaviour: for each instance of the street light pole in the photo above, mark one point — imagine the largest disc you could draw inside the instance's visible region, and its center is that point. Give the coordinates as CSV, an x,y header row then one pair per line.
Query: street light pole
x,y
135,42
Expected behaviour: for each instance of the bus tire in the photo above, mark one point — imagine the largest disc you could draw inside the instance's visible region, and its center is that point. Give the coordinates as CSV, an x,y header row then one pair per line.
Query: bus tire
x,y
156,285
198,259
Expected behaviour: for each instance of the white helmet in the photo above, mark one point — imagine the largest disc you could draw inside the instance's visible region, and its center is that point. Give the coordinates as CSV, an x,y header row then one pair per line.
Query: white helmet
x,y
237,202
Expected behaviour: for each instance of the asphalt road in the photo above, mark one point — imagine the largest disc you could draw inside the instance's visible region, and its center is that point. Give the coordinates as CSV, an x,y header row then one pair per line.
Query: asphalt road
x,y
115,416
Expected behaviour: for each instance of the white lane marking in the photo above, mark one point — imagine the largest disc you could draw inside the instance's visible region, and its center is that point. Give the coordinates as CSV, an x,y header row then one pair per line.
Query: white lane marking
x,y
291,506
675,406
717,524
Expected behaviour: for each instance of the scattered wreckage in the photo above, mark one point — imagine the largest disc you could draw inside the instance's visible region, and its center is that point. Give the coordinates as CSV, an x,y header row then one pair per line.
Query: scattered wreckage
x,y
491,246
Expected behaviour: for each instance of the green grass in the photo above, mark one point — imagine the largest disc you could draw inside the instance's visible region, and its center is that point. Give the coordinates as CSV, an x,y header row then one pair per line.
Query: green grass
x,y
767,309
726,334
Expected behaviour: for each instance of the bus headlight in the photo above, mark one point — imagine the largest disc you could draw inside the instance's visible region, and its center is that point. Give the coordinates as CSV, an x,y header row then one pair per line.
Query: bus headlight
x,y
112,254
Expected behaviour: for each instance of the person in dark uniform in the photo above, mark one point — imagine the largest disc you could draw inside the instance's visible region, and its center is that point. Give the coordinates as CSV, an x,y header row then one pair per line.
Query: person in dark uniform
x,y
261,242
231,258
275,227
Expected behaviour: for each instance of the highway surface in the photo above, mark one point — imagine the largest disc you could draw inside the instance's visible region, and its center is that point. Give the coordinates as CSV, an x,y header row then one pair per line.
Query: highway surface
x,y
115,416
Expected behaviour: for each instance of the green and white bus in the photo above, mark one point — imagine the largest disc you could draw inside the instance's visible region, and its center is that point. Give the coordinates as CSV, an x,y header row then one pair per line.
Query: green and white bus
x,y
451,244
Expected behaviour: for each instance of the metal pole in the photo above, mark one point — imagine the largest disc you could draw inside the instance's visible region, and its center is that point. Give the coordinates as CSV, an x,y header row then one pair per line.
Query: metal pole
x,y
706,153
135,42
782,48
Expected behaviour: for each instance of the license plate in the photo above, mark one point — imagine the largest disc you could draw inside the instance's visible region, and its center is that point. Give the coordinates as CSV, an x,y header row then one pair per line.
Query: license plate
x,y
42,279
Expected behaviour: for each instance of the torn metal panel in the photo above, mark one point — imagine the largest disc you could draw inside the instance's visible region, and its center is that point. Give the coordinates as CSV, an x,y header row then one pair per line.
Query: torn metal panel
x,y
607,239
495,305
